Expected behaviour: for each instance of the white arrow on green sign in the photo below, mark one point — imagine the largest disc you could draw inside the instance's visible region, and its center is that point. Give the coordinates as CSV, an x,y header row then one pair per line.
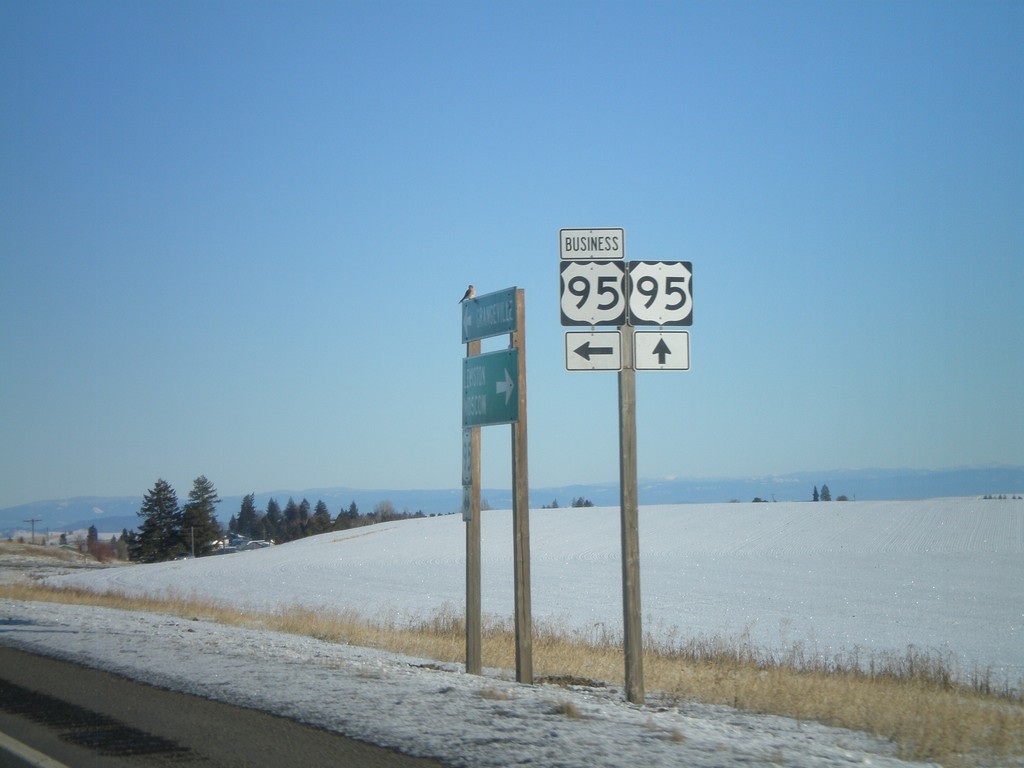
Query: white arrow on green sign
x,y
489,388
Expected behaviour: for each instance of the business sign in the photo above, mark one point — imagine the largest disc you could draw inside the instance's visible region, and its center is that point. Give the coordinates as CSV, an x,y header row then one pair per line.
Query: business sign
x,y
661,351
489,315
660,293
593,292
489,388
600,244
593,351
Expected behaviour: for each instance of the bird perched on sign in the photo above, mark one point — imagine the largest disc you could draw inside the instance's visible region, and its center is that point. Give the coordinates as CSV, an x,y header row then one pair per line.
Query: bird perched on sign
x,y
470,293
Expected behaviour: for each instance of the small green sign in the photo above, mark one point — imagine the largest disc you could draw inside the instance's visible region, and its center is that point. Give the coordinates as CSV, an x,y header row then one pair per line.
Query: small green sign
x,y
489,315
489,385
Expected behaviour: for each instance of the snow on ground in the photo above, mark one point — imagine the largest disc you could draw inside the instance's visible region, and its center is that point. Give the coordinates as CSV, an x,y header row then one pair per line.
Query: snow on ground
x,y
942,575
402,703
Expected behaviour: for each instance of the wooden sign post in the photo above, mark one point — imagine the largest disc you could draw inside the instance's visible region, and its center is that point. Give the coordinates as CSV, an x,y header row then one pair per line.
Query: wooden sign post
x,y
597,288
494,392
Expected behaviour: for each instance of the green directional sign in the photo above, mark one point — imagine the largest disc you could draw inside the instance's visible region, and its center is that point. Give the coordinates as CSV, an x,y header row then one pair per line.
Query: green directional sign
x,y
489,315
489,384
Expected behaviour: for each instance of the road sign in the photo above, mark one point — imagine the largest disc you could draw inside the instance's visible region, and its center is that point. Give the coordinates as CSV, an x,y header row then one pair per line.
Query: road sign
x,y
593,292
593,351
490,314
660,293
658,351
589,244
489,388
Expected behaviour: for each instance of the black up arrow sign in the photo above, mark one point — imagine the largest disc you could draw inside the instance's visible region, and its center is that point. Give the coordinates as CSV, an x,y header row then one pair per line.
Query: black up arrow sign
x,y
585,350
662,351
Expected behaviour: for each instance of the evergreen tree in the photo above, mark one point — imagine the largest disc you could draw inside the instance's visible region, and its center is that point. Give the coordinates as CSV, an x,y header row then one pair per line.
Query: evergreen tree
x,y
246,523
199,517
159,536
272,522
826,495
92,536
815,497
321,520
347,518
292,526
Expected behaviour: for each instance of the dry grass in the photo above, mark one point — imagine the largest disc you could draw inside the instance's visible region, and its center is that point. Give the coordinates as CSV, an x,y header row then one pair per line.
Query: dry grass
x,y
62,554
494,694
927,718
916,700
566,709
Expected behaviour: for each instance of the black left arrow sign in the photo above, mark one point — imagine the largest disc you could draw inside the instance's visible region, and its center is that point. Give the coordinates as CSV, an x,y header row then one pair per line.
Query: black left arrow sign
x,y
585,350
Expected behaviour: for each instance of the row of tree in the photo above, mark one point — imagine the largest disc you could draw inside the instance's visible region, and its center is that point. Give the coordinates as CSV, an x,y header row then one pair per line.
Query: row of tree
x,y
576,502
824,495
298,520
168,530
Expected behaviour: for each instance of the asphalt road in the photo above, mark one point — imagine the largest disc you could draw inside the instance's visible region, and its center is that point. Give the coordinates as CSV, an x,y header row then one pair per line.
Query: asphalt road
x,y
85,718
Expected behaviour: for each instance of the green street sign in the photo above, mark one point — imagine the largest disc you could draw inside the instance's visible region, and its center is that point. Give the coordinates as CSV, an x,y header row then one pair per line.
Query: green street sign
x,y
489,315
489,385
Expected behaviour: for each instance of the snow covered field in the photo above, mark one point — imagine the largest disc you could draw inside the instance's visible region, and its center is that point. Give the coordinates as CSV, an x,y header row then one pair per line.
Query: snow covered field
x,y
943,575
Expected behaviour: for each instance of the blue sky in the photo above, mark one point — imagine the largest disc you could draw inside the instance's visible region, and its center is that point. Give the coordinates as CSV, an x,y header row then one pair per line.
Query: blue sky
x,y
233,235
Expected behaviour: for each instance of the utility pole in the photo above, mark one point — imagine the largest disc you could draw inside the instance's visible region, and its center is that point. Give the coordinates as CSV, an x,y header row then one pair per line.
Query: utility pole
x,y
33,520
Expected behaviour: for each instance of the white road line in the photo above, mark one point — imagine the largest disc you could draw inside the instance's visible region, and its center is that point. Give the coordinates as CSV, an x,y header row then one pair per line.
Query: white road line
x,y
26,753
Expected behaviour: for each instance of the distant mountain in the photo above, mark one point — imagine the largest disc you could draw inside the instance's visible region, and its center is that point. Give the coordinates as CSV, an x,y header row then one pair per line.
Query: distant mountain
x,y
857,484
862,484
111,514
